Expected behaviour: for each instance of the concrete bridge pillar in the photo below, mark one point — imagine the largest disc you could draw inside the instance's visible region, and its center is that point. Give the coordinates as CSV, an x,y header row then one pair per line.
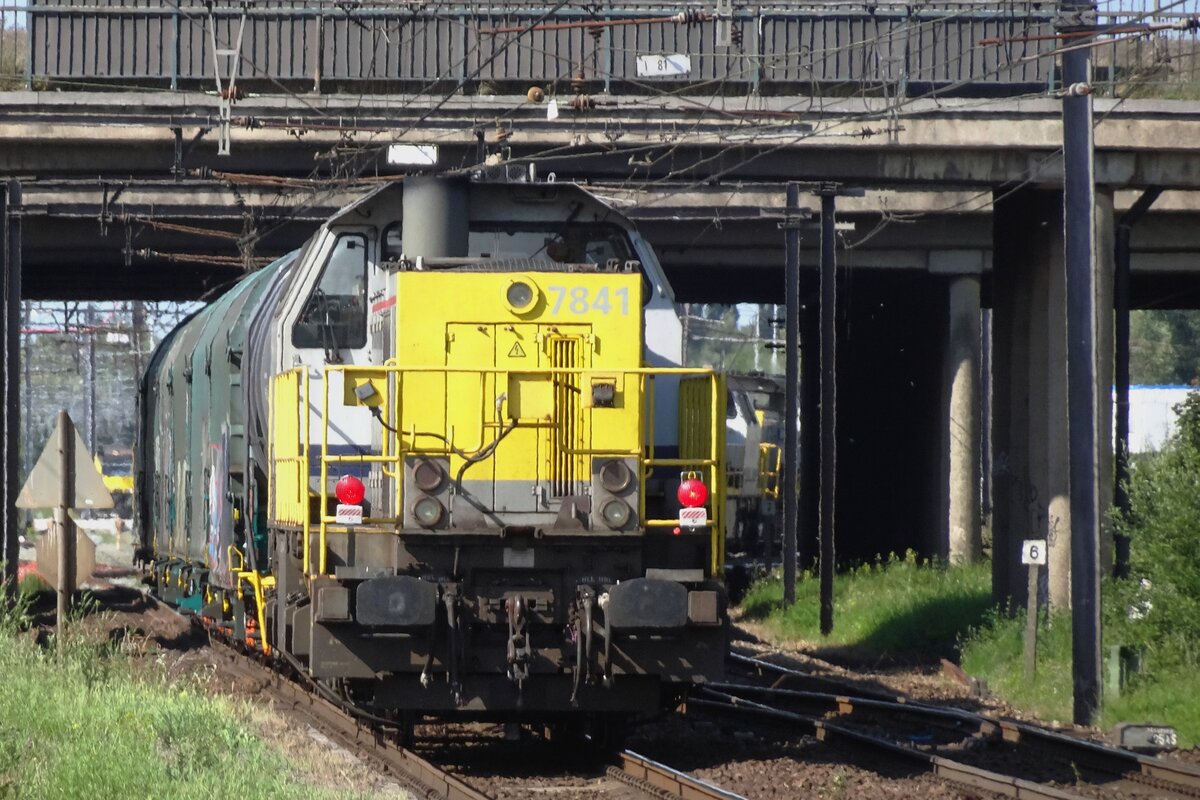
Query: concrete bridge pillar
x,y
1029,434
1030,427
961,539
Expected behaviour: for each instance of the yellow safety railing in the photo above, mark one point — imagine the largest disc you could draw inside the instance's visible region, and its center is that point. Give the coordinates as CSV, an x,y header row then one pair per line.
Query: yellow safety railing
x,y
288,424
770,464
293,452
259,584
702,441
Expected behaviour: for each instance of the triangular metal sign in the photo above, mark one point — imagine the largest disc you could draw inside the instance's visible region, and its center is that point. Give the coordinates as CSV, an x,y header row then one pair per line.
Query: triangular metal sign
x,y
43,486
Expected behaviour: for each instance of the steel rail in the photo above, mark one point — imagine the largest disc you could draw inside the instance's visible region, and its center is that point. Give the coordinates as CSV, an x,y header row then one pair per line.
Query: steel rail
x,y
940,766
1177,777
750,663
655,778
831,703
419,775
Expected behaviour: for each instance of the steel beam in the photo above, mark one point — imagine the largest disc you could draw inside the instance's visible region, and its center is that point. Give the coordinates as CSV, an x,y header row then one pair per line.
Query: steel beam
x,y
791,391
828,489
1079,199
10,426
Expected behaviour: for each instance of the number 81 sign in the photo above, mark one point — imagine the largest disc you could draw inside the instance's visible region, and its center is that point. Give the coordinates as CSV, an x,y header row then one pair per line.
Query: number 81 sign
x,y
1033,551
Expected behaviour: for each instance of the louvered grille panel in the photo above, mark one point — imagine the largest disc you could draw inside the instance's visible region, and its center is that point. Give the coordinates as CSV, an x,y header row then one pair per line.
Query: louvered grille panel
x,y
565,468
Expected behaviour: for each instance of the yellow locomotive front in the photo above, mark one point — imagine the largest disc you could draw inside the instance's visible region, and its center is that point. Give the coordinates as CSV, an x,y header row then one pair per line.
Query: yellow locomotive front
x,y
519,548
538,363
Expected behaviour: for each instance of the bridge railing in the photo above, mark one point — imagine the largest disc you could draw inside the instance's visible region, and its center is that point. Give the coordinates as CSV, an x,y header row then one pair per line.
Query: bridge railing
x,y
14,54
314,45
1161,63
882,48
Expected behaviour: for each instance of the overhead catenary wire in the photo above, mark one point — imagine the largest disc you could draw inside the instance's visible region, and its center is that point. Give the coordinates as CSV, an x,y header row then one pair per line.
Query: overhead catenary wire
x,y
196,258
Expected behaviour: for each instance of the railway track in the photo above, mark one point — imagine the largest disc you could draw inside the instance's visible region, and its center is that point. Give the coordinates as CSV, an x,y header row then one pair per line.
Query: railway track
x,y
659,780
377,743
373,743
997,757
1001,756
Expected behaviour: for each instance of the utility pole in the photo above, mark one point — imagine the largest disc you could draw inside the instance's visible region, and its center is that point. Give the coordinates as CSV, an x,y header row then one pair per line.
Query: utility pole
x,y
828,313
758,338
64,525
1079,210
10,255
27,395
138,324
791,412
687,331
90,387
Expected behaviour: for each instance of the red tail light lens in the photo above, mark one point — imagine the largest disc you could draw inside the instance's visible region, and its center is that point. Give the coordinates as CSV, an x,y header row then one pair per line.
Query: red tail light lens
x,y
692,493
350,490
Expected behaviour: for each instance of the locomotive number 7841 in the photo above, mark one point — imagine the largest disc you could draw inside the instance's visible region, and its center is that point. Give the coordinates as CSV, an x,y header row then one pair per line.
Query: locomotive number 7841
x,y
581,300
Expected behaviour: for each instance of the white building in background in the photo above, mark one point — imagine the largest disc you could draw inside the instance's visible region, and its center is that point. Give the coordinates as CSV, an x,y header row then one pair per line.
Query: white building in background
x,y
1152,417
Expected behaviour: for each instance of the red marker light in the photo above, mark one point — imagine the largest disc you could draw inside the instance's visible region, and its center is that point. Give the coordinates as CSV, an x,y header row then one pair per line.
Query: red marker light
x,y
350,490
692,493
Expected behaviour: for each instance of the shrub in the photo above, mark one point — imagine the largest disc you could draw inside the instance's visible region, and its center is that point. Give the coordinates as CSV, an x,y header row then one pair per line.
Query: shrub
x,y
1159,608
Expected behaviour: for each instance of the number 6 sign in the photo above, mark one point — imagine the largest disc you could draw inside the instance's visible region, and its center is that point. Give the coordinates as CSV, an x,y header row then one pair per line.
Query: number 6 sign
x,y
1033,551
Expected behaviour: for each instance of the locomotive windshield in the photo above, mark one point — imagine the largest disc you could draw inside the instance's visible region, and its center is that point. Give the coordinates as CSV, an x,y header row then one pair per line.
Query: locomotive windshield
x,y
569,244
335,316
554,243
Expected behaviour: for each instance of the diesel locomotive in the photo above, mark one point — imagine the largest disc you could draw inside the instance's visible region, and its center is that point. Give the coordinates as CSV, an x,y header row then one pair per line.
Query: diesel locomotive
x,y
435,459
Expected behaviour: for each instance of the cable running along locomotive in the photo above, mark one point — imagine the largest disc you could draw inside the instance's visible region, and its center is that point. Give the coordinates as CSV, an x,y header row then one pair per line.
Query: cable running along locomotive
x,y
432,460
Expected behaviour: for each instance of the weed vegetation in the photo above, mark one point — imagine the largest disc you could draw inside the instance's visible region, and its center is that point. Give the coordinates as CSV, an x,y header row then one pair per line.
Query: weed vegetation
x,y
900,609
79,724
1153,616
12,55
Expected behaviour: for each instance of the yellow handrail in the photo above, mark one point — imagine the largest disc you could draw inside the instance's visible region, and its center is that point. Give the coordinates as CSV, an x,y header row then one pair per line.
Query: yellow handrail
x,y
770,459
394,449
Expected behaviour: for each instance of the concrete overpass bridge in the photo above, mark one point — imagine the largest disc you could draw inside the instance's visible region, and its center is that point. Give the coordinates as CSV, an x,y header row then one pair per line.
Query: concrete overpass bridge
x,y
706,188
128,194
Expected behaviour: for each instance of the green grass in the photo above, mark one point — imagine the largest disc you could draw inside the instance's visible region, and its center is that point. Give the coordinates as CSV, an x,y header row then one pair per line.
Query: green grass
x,y
1166,695
996,652
80,725
1163,692
900,610
910,612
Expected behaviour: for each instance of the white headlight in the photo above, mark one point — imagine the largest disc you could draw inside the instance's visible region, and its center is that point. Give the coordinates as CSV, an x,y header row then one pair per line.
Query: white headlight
x,y
521,295
616,513
615,476
428,511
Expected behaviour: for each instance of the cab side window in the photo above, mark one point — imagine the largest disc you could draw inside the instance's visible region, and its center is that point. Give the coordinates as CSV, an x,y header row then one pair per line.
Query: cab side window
x,y
335,316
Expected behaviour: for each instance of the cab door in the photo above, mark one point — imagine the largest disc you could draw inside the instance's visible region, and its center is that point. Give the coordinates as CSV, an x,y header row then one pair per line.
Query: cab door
x,y
324,321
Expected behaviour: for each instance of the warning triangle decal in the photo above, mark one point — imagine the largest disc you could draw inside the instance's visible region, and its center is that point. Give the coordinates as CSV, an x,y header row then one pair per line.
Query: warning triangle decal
x,y
516,351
